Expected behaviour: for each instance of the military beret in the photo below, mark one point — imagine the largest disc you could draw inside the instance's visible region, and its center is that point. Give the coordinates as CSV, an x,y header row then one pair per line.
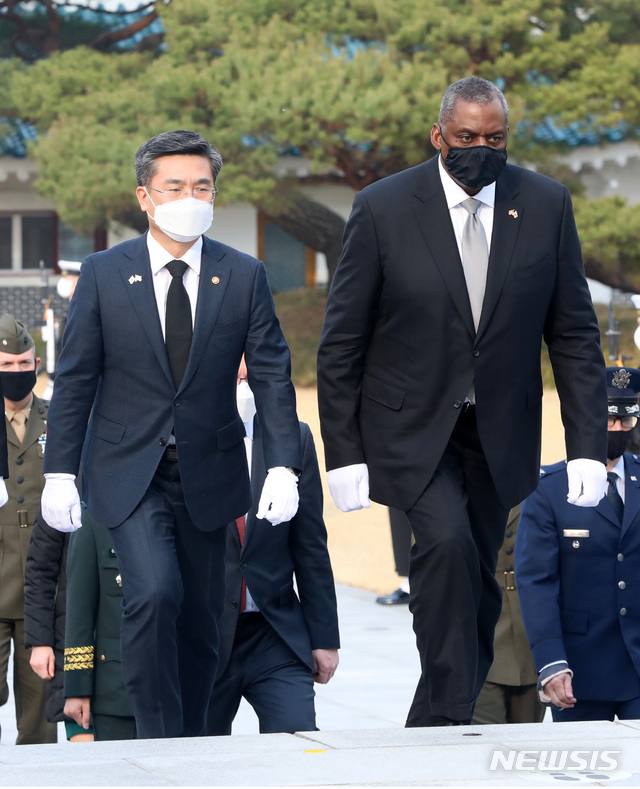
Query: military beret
x,y
14,338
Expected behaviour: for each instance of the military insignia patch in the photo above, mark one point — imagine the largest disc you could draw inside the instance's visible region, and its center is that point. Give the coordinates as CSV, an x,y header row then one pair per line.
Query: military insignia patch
x,y
621,379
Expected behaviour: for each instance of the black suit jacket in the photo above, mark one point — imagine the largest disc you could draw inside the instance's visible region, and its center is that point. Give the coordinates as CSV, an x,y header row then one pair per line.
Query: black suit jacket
x,y
114,369
399,351
271,555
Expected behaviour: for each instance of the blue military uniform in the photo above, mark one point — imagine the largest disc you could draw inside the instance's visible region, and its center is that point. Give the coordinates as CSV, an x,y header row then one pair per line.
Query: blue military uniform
x,y
578,575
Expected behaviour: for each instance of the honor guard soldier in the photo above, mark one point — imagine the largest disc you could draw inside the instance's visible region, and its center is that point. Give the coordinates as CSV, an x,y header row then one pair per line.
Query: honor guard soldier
x,y
578,576
509,694
26,429
93,682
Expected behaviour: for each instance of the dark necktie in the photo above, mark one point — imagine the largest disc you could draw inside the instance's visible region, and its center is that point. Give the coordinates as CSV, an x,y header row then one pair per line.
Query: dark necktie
x,y
614,496
178,325
240,523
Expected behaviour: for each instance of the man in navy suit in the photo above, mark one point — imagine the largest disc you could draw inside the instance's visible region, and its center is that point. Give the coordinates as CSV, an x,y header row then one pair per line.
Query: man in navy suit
x,y
274,643
145,400
451,275
578,573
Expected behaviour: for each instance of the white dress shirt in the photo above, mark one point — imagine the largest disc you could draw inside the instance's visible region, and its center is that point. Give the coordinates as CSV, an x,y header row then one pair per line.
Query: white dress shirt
x,y
455,195
159,257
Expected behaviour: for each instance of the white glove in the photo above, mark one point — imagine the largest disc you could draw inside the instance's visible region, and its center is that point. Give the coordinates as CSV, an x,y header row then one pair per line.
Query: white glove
x,y
349,487
587,482
60,502
4,496
279,499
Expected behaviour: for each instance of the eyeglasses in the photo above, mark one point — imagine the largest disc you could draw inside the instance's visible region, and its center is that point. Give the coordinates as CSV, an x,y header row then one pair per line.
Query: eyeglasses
x,y
178,192
626,422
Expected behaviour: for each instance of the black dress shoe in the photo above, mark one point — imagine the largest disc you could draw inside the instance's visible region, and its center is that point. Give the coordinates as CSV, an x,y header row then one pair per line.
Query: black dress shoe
x,y
398,597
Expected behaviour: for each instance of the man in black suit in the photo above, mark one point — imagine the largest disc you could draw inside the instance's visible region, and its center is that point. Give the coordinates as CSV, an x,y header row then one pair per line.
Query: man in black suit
x,y
429,377
274,643
145,398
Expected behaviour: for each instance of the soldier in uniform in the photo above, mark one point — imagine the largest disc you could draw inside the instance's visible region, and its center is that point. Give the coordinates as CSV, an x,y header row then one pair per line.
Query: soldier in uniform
x,y
509,694
26,430
93,683
578,572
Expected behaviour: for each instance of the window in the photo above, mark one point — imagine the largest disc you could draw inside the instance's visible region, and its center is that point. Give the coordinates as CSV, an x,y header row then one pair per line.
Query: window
x,y
289,263
38,240
5,242
72,246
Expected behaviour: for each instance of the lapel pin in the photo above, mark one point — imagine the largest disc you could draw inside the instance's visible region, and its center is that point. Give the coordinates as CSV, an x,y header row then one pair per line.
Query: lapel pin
x,y
215,280
513,213
135,278
635,479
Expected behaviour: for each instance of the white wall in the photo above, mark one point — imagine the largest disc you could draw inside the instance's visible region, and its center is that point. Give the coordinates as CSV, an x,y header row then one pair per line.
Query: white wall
x,y
237,226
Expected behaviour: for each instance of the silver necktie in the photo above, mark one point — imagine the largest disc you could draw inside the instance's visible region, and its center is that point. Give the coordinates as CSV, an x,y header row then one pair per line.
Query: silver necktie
x,y
475,257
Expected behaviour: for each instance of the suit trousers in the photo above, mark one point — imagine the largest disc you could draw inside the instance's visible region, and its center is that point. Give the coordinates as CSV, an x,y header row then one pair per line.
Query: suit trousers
x,y
264,670
400,540
113,727
508,704
29,690
173,585
458,524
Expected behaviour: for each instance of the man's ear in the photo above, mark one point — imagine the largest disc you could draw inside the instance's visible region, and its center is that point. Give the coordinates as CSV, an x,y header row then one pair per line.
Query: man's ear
x,y
143,199
436,137
38,360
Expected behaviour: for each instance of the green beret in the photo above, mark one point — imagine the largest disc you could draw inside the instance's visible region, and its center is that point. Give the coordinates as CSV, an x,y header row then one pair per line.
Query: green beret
x,y
14,338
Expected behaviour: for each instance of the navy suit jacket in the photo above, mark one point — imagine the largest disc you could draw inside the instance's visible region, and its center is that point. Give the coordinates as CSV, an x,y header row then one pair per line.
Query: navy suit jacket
x,y
270,556
579,593
115,404
399,351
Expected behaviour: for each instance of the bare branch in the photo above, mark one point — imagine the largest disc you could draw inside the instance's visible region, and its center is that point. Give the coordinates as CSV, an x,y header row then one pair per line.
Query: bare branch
x,y
105,40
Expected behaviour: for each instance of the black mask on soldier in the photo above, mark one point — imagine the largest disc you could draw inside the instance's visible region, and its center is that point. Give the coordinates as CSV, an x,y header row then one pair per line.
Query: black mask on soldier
x,y
17,385
475,166
618,442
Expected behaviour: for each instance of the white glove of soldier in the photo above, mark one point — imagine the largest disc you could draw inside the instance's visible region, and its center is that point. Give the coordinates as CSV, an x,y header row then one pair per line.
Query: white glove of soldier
x,y
279,499
4,496
349,486
60,502
587,482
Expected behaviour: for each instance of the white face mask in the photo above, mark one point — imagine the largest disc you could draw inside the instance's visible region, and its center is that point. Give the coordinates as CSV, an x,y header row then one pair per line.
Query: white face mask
x,y
245,401
183,220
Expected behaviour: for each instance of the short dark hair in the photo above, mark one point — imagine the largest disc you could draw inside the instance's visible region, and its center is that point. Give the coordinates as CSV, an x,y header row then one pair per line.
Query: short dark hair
x,y
173,143
473,89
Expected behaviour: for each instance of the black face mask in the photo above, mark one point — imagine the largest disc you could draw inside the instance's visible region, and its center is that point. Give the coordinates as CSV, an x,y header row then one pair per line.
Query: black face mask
x,y
475,166
618,442
16,386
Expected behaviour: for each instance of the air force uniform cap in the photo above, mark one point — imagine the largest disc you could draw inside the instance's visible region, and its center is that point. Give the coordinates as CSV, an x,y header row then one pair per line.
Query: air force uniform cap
x,y
623,385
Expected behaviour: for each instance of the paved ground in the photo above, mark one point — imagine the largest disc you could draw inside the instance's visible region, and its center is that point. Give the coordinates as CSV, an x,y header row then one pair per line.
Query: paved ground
x,y
362,743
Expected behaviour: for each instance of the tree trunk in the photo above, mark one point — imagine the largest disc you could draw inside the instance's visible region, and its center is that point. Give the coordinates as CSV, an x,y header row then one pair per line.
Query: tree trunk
x,y
613,277
311,223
